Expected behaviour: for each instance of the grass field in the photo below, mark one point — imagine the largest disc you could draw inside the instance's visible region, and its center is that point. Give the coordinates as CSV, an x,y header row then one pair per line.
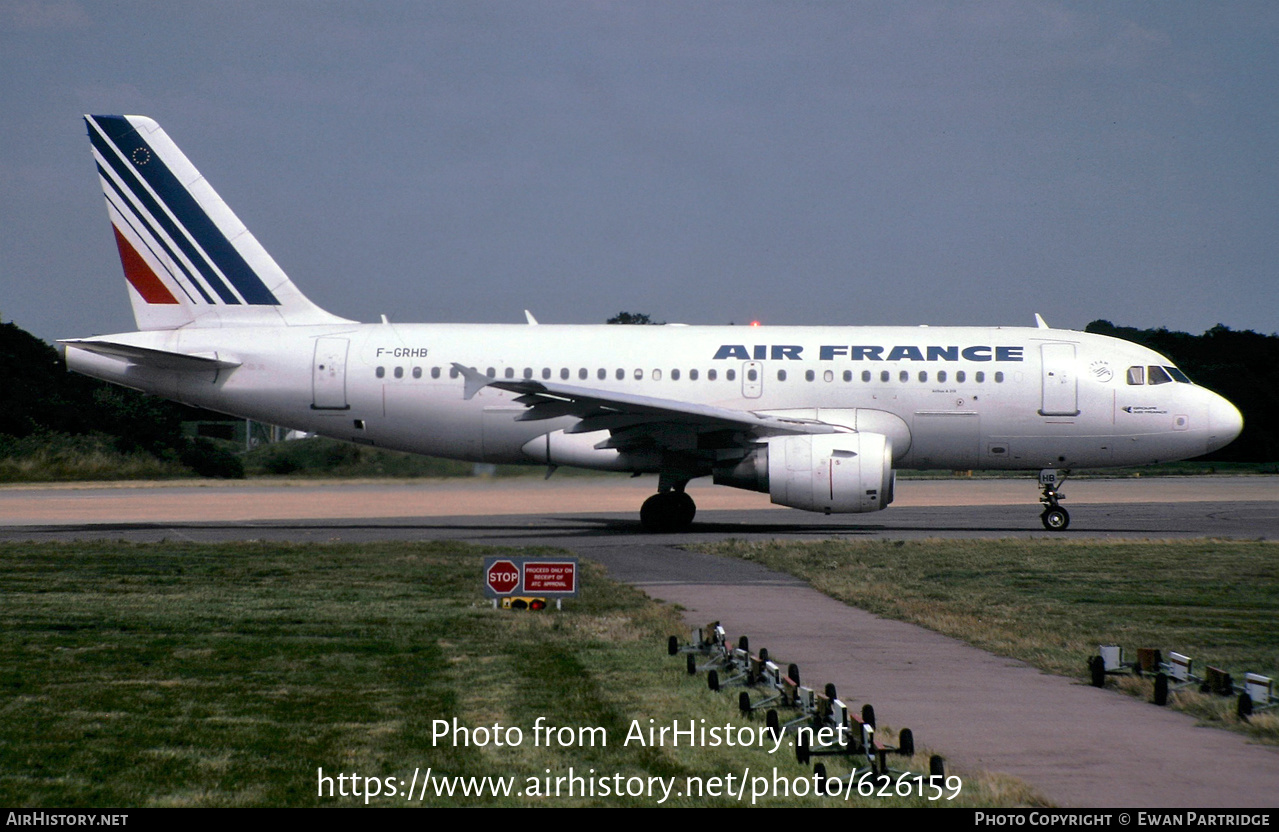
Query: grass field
x,y
229,675
1052,602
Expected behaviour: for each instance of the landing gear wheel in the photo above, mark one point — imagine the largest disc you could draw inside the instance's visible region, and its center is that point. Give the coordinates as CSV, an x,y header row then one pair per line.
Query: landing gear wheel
x,y
1055,519
819,774
1097,671
906,743
670,511
1244,707
1161,689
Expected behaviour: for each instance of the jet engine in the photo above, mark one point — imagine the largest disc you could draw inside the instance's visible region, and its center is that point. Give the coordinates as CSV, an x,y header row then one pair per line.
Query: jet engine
x,y
834,473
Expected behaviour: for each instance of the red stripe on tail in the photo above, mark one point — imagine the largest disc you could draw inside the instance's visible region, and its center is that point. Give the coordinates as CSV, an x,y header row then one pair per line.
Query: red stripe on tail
x,y
139,274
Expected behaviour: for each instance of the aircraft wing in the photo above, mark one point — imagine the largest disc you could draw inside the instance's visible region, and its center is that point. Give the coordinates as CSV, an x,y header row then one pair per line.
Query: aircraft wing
x,y
626,413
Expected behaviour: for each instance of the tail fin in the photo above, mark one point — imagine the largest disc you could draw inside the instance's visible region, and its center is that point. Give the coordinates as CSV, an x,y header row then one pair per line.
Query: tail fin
x,y
188,259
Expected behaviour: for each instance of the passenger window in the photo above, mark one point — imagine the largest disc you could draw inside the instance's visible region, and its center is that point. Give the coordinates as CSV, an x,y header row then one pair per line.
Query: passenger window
x,y
435,372
979,376
491,373
884,376
781,375
621,374
731,375
510,372
923,375
809,376
417,372
751,375
711,375
1136,375
381,372
848,375
602,374
692,375
453,372
828,376
903,376
657,375
999,377
639,375
674,375
1156,375
528,372
941,375
960,376
564,373
399,372
546,372
865,375
582,374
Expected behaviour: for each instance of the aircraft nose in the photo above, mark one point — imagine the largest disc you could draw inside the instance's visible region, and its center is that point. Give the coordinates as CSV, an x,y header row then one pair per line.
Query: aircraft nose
x,y
1225,421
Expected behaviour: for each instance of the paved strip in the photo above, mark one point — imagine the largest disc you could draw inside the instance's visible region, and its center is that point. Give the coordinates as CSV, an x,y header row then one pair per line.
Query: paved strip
x,y
249,502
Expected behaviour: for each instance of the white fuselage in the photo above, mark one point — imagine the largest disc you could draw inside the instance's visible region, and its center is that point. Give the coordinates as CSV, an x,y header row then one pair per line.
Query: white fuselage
x,y
948,397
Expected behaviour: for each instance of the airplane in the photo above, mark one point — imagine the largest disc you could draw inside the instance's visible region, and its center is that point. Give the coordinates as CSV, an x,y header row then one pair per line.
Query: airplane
x,y
819,418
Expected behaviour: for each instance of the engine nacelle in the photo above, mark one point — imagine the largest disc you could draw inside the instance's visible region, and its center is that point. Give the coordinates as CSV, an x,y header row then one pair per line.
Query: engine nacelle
x,y
834,473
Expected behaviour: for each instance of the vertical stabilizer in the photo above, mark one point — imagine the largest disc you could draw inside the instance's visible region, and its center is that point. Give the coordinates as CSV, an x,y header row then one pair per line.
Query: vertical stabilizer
x,y
188,260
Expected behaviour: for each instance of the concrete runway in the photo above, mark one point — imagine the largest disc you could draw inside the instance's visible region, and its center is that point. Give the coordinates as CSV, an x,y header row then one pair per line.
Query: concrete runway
x,y
1076,745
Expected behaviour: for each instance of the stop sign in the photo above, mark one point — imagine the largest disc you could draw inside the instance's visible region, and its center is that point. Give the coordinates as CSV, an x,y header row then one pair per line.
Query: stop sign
x,y
503,577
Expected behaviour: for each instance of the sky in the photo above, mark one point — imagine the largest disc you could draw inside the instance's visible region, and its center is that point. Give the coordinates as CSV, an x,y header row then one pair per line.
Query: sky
x,y
825,163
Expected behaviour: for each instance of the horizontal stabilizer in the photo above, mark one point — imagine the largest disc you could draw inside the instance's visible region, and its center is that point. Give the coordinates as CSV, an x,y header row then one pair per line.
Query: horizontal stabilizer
x,y
159,359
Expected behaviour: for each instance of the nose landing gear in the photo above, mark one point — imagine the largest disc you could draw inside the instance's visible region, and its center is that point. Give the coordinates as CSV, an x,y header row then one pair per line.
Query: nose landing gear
x,y
1055,518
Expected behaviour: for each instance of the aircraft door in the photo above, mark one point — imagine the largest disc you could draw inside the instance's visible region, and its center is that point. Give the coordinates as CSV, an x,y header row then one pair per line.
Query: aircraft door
x,y
328,374
752,379
1061,383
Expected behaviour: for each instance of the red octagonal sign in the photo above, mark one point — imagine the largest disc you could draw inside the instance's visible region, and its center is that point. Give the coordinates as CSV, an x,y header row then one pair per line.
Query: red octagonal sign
x,y
503,577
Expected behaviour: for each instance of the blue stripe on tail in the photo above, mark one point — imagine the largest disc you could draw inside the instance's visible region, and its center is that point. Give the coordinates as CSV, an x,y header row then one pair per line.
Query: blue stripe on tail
x,y
125,142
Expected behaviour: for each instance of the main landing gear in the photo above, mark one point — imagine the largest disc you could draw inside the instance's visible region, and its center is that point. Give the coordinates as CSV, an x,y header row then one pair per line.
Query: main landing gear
x,y
1055,518
668,511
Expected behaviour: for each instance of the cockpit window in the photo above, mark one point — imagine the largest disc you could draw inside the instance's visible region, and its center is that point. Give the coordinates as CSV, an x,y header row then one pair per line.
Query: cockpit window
x,y
1136,375
1177,375
1158,375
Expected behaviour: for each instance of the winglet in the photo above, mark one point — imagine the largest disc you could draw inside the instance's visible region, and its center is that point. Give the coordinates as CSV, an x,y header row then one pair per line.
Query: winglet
x,y
531,320
475,380
1039,322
